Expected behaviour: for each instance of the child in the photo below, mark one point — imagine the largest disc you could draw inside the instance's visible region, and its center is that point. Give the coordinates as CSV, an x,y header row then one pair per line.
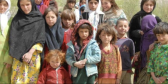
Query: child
x,y
54,31
127,51
70,5
26,40
6,60
54,73
158,62
83,54
110,68
93,14
41,6
147,25
112,12
68,22
51,3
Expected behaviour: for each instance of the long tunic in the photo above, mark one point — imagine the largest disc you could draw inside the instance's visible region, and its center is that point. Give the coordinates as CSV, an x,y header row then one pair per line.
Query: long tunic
x,y
4,56
24,73
158,63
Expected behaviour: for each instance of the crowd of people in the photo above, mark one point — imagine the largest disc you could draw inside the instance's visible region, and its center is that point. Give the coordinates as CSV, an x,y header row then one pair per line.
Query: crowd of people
x,y
83,44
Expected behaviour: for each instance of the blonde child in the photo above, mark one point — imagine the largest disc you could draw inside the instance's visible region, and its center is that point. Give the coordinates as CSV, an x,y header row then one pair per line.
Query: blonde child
x,y
6,60
83,54
54,73
158,61
112,12
110,66
127,50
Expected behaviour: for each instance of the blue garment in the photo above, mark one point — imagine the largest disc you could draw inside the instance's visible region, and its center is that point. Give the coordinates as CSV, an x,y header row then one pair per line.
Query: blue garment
x,y
92,54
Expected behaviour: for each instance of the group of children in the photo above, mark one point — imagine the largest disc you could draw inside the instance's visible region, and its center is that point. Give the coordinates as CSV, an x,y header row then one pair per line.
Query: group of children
x,y
82,45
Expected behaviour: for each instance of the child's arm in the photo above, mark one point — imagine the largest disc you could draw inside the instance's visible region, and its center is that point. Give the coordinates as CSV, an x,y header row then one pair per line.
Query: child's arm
x,y
119,67
69,57
42,77
95,54
157,80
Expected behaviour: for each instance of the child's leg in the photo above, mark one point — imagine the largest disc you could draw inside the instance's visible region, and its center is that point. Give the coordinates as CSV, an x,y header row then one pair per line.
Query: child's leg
x,y
106,81
123,76
128,78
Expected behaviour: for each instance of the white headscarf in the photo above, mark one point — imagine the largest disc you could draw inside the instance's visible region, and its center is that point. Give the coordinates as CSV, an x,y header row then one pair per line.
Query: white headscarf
x,y
4,17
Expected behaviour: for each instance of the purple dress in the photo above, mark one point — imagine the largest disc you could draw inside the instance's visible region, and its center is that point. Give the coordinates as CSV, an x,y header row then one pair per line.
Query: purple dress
x,y
147,25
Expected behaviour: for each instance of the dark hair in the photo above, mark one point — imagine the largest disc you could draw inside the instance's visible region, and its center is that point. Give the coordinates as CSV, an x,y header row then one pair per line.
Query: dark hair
x,y
51,8
68,14
53,3
2,1
95,0
80,1
114,6
71,1
144,1
161,28
121,19
109,30
59,55
85,26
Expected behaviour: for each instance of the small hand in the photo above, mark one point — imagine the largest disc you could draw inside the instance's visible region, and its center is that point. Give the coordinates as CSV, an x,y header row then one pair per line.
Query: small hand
x,y
118,81
141,32
79,64
162,79
8,65
27,57
157,81
151,46
135,58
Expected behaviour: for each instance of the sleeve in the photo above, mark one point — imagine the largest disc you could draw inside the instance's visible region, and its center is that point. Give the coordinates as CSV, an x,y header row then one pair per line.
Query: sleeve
x,y
63,46
38,47
95,55
132,48
42,77
69,57
150,67
123,15
119,64
67,78
158,19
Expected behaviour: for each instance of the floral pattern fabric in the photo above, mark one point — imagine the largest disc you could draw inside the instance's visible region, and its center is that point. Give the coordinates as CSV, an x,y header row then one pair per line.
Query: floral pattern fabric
x,y
158,62
24,73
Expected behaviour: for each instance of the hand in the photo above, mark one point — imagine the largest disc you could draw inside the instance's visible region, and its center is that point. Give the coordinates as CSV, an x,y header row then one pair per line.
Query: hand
x,y
162,79
8,65
135,58
157,80
79,64
27,57
83,61
141,32
118,81
96,81
151,46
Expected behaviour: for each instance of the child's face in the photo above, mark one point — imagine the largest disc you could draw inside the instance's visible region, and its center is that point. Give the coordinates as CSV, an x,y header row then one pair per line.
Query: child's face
x,y
83,2
148,6
71,5
122,27
83,33
38,1
162,38
106,5
105,38
67,23
26,6
3,6
54,63
93,4
51,18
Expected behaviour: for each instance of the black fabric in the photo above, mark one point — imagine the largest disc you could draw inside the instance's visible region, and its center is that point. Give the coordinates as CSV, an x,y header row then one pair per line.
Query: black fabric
x,y
135,26
25,31
85,15
54,35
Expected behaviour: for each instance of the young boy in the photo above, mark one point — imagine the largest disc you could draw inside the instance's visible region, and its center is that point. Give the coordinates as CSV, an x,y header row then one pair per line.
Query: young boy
x,y
127,50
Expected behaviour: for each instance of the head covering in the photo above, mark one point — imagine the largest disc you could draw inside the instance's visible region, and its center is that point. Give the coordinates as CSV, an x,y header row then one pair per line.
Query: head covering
x,y
83,6
4,17
147,25
54,35
26,30
74,39
38,5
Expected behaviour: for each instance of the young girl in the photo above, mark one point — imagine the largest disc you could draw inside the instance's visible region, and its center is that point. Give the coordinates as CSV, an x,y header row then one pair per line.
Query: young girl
x,y
54,73
70,5
26,40
158,61
51,3
68,22
93,13
112,12
40,5
54,31
110,67
147,25
83,54
6,60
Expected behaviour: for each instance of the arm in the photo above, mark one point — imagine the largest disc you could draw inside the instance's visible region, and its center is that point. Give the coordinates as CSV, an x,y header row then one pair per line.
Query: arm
x,y
42,77
94,55
119,67
69,57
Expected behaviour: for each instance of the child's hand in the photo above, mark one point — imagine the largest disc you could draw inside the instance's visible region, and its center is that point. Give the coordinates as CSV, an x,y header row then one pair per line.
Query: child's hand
x,y
151,46
8,65
96,80
141,32
162,79
83,61
79,64
118,81
135,58
27,57
157,80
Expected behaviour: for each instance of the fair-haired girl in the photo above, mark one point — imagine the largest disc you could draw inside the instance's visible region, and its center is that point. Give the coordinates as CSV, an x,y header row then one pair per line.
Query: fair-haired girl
x,y
112,12
110,66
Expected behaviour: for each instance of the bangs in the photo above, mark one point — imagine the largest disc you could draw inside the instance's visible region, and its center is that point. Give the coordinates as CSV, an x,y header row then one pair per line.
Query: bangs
x,y
71,1
161,28
68,14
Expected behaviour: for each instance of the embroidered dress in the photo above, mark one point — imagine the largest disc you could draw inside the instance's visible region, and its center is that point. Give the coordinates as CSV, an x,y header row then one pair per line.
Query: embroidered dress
x,y
24,73
158,62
